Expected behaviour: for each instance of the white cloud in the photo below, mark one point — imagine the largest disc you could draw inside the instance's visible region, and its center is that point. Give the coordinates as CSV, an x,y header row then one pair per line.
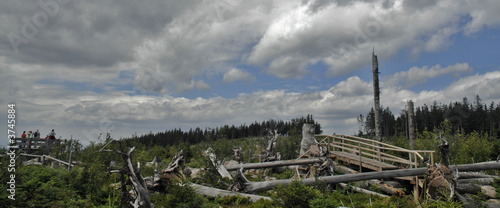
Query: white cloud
x,y
353,86
483,15
420,75
69,73
234,75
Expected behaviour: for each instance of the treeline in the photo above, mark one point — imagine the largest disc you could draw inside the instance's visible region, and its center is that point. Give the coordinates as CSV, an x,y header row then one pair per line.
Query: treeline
x,y
197,135
465,117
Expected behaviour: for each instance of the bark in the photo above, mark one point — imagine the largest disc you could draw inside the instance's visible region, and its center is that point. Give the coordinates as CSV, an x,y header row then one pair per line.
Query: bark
x,y
274,164
214,192
254,187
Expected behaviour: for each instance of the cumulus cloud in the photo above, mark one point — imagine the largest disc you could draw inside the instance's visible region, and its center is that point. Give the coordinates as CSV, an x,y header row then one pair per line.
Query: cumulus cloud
x,y
234,75
418,75
122,59
178,43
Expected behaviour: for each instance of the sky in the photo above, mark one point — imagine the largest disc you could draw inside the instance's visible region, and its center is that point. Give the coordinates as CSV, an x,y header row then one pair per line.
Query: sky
x,y
133,67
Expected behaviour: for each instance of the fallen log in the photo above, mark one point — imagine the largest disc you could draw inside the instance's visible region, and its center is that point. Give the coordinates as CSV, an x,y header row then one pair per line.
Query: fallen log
x,y
467,188
274,164
364,191
387,188
254,187
472,175
478,181
214,192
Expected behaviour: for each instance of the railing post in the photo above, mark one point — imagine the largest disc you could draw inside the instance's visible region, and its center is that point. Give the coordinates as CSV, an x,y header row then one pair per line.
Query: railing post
x,y
432,158
379,159
411,161
29,145
360,161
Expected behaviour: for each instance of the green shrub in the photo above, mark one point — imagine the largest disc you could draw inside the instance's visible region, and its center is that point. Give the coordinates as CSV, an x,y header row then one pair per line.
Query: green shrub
x,y
295,195
178,196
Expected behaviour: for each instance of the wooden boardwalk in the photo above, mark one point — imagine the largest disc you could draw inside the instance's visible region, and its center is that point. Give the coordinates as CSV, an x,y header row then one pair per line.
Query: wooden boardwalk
x,y
371,154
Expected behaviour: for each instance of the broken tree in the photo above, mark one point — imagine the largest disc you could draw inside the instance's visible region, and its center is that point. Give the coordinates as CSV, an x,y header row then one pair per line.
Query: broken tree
x,y
254,187
135,177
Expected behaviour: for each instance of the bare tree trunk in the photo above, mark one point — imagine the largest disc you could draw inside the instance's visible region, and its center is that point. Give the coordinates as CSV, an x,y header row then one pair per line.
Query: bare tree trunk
x,y
364,191
219,165
376,97
307,138
139,185
253,187
411,124
138,182
274,164
214,192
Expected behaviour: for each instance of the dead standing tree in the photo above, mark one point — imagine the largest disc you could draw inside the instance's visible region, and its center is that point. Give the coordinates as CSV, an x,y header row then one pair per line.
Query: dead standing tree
x,y
138,183
270,153
411,124
376,97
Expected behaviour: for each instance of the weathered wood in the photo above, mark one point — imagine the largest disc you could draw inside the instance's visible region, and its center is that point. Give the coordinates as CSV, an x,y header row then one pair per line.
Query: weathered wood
x,y
479,181
142,199
468,188
139,184
364,191
473,175
489,191
253,187
219,165
386,188
383,186
48,157
411,124
274,164
307,138
214,192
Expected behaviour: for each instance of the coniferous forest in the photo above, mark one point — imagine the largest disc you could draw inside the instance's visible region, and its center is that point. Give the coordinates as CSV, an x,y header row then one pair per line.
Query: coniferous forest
x,y
255,129
465,117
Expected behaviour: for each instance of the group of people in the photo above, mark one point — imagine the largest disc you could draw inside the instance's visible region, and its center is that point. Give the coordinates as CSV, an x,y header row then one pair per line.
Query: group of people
x,y
36,134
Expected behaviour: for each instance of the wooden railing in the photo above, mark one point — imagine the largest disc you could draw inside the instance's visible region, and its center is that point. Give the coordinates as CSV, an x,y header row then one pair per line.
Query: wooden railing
x,y
44,157
379,151
28,144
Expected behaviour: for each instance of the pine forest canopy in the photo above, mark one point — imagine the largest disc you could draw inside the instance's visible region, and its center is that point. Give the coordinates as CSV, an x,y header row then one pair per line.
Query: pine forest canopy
x,y
465,117
255,129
